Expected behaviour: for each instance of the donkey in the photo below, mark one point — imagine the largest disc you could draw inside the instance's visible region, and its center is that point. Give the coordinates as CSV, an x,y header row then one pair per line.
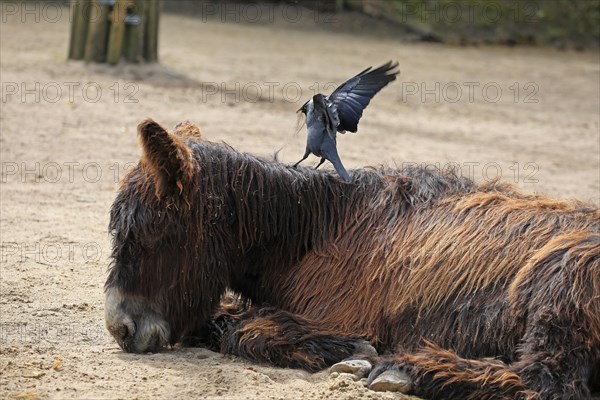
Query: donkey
x,y
472,291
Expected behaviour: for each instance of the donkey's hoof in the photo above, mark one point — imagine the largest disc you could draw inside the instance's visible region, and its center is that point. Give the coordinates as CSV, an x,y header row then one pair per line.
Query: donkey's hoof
x,y
358,368
392,381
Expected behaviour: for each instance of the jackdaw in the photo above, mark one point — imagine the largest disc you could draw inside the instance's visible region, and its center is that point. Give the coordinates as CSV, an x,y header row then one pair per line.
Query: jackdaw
x,y
340,112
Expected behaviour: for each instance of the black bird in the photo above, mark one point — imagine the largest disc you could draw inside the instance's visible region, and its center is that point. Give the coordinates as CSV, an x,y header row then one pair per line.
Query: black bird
x,y
340,112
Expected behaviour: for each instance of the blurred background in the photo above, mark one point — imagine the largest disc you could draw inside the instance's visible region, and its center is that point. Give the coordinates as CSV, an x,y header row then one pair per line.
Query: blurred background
x,y
496,89
560,23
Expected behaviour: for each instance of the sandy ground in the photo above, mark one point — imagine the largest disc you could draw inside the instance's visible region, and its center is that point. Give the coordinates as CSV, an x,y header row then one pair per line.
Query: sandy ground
x,y
62,154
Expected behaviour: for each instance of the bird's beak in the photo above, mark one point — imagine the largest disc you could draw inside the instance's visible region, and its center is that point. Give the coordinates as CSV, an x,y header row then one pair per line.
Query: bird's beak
x,y
303,108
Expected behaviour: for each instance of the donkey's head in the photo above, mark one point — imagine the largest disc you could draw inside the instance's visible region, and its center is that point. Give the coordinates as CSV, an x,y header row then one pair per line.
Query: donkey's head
x,y
166,276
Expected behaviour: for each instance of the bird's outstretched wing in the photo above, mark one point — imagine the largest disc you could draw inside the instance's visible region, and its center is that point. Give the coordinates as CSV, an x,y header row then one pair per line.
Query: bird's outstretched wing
x,y
333,116
354,95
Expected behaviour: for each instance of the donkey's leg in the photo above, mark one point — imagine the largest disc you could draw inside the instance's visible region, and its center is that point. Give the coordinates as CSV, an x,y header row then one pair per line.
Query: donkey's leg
x,y
434,373
557,365
557,354
557,294
272,336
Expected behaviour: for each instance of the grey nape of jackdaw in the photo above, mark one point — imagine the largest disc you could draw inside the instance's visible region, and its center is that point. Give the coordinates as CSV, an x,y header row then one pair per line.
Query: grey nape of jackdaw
x,y
340,112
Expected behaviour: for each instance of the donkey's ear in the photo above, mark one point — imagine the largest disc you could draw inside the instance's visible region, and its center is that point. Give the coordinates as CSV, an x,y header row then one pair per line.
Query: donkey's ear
x,y
188,130
168,159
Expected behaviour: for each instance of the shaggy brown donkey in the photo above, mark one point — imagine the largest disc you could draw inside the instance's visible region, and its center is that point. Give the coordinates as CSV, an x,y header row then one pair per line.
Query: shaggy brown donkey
x,y
473,291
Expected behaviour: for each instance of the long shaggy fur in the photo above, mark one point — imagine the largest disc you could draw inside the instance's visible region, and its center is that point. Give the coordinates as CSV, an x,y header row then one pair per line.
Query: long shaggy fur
x,y
428,266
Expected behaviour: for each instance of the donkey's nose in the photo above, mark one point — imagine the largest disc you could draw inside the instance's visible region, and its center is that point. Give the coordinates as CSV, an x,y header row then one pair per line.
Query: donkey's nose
x,y
121,332
125,331
136,327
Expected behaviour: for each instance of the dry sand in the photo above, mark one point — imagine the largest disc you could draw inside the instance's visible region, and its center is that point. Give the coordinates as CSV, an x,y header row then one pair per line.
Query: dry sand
x,y
62,157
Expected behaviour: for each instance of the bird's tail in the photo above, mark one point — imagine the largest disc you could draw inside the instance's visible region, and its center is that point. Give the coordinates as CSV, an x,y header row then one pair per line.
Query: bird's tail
x,y
337,164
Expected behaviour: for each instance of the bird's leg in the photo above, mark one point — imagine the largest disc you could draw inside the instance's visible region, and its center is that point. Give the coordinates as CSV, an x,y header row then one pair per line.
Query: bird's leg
x,y
306,154
320,162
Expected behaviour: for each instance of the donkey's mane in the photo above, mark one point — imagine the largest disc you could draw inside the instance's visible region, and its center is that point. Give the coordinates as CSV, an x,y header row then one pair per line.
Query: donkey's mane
x,y
419,184
276,202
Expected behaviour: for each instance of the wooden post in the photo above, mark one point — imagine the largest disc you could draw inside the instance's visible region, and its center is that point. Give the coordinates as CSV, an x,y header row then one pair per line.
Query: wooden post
x,y
117,31
151,30
95,46
108,30
134,33
80,12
